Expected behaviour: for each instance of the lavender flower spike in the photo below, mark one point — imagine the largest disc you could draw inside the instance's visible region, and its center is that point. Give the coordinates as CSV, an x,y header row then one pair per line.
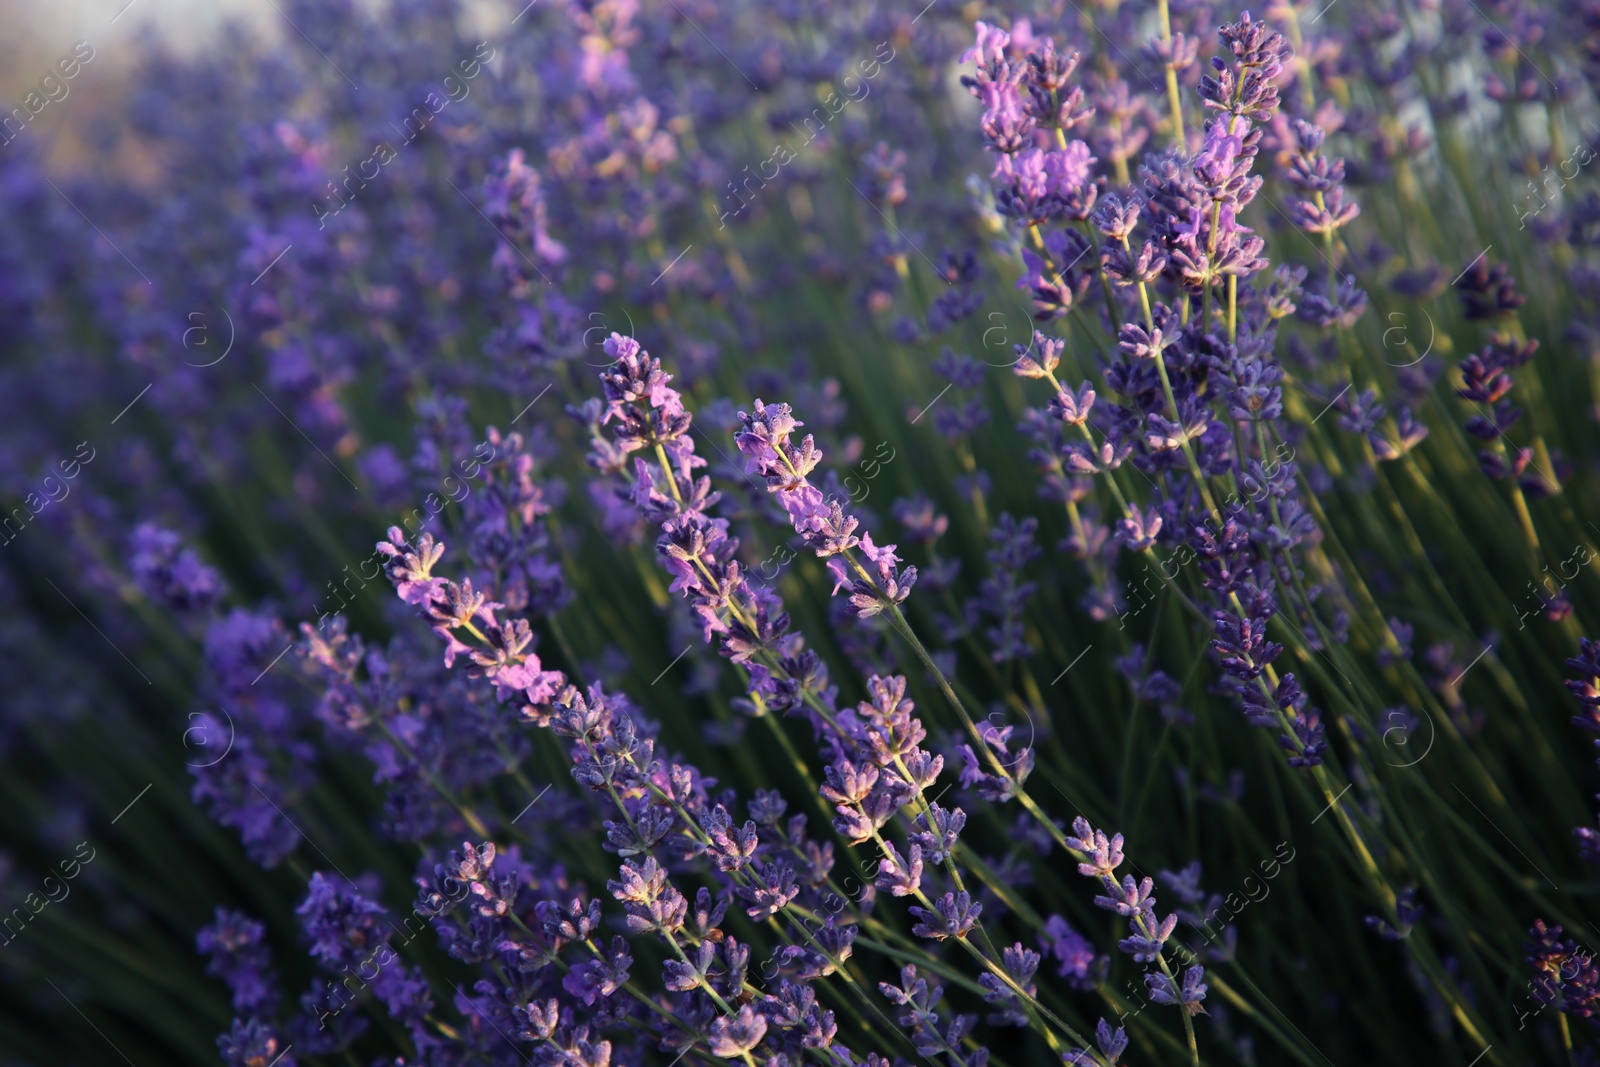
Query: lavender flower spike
x,y
821,521
1100,857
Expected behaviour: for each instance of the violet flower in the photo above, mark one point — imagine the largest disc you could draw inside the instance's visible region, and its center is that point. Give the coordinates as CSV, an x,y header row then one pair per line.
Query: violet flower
x,y
1563,977
240,957
1101,856
253,1042
1004,595
822,523
1586,687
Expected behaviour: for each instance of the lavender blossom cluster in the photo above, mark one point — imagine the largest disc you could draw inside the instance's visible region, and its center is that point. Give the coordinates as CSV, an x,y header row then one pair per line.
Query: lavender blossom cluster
x,y
1212,459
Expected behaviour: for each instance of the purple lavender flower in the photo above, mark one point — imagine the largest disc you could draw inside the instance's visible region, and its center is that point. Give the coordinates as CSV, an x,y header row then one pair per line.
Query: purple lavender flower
x,y
696,548
342,923
169,573
1563,977
1586,687
240,957
1485,382
952,915
270,758
921,519
251,1043
1076,956
1139,531
1019,964
960,416
1148,933
961,298
1488,291
1163,990
1004,595
735,1037
1072,407
505,655
822,524
1407,913
918,998
1111,1044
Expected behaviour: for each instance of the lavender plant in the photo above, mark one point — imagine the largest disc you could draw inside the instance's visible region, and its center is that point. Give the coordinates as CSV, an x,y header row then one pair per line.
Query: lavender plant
x,y
622,532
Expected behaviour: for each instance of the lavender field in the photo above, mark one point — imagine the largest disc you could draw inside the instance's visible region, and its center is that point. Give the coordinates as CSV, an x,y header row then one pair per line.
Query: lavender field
x,y
596,533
